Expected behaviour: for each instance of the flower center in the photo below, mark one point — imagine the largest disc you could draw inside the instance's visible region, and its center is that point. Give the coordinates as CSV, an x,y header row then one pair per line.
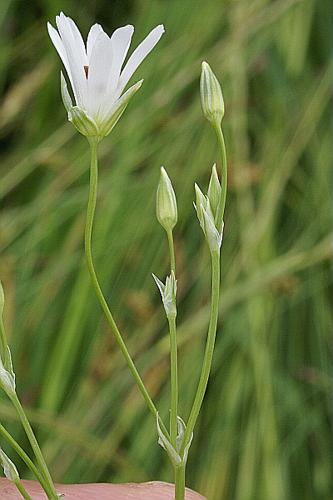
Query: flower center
x,y
86,70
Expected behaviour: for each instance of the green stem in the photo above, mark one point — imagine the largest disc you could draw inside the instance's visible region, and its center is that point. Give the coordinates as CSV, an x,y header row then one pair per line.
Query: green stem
x,y
173,353
52,494
207,362
26,459
174,380
22,490
224,174
90,264
171,251
180,482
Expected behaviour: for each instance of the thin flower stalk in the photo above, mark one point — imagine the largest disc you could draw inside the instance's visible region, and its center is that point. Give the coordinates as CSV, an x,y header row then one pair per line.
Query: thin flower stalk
x,y
94,279
173,352
224,172
210,343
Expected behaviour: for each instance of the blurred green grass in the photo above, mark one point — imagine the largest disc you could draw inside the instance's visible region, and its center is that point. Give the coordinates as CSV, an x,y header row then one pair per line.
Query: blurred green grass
x,y
265,429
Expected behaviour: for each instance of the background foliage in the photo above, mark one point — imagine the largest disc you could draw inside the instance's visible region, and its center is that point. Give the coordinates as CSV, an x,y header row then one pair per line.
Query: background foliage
x,y
265,429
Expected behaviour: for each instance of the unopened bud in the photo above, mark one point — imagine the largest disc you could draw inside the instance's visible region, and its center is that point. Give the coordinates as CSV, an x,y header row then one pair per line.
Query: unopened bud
x,y
166,204
211,95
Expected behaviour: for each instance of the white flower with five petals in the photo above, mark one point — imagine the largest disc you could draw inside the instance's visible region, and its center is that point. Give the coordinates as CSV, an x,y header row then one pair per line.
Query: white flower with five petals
x,y
97,73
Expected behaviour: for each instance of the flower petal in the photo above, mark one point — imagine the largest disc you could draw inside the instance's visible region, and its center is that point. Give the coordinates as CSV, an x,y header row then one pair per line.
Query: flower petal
x,y
120,40
139,55
98,77
80,46
94,31
57,42
76,56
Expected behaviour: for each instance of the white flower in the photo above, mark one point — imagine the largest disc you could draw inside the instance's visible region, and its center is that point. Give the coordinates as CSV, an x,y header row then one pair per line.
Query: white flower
x,y
96,72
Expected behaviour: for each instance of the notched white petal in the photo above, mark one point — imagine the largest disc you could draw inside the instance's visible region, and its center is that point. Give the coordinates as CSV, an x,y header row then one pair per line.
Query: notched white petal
x,y
94,31
98,75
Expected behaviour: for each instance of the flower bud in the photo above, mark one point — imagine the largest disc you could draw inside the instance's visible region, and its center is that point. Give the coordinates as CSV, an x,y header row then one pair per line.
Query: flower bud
x,y
211,95
166,204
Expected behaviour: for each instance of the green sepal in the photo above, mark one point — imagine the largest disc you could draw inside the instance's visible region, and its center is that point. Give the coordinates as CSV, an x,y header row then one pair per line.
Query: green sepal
x,y
82,122
106,126
66,98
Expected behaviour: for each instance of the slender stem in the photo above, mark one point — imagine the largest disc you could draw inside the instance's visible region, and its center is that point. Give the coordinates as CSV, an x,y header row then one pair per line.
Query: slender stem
x,y
180,482
173,353
174,380
171,251
22,490
207,362
90,264
224,172
52,494
22,454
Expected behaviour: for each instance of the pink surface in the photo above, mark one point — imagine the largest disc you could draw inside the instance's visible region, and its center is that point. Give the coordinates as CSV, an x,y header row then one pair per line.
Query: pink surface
x,y
144,491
